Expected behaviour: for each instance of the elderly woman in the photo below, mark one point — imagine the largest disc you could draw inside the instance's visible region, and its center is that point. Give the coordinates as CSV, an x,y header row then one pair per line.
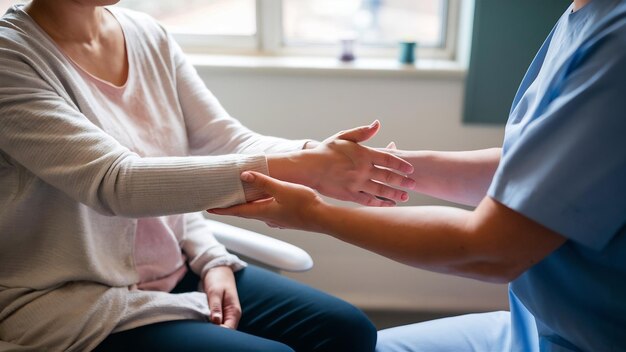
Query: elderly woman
x,y
110,145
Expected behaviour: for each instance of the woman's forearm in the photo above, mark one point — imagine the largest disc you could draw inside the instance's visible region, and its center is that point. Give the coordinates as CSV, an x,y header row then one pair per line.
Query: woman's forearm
x,y
461,177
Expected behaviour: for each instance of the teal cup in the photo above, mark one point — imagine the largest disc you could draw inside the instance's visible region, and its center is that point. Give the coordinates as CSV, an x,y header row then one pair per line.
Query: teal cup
x,y
406,52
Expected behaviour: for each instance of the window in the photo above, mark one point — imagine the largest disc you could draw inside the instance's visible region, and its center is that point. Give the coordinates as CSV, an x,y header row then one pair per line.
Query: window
x,y
375,25
374,22
212,17
200,25
306,27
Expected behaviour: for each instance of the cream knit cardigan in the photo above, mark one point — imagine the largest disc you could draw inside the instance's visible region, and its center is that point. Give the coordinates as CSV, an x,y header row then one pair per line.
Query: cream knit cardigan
x,y
70,190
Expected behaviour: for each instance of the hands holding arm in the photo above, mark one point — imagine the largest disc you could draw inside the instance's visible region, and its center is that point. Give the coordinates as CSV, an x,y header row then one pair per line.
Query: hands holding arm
x,y
492,243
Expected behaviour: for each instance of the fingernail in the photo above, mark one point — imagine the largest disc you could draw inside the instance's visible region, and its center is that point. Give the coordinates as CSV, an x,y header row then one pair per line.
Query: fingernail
x,y
247,177
376,122
210,211
404,197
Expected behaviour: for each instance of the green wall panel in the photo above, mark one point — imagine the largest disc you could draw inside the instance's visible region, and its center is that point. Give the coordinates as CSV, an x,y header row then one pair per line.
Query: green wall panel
x,y
506,36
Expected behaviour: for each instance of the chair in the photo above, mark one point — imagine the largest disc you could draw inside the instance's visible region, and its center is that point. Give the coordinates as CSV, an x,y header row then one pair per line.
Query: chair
x,y
262,250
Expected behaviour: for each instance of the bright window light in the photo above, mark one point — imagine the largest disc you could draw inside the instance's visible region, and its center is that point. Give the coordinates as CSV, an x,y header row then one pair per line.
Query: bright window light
x,y
370,22
209,17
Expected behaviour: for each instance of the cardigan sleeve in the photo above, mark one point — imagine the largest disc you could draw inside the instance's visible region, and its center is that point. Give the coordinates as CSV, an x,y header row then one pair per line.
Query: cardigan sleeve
x,y
203,250
210,129
48,135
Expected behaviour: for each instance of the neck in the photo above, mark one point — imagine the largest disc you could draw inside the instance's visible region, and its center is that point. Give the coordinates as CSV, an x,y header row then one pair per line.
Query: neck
x,y
578,4
67,20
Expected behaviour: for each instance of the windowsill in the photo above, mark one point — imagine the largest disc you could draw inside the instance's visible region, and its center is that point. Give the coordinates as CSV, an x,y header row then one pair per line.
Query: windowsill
x,y
324,65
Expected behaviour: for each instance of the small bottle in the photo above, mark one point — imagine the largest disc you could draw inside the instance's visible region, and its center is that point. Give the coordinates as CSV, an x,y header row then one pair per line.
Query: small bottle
x,y
347,50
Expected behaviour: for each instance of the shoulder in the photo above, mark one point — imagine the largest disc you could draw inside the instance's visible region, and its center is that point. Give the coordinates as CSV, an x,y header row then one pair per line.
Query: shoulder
x,y
15,30
599,63
608,39
138,19
145,33
23,47
140,24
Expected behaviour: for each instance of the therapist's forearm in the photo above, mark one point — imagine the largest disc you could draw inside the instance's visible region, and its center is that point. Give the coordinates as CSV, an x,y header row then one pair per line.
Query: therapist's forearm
x,y
462,177
439,239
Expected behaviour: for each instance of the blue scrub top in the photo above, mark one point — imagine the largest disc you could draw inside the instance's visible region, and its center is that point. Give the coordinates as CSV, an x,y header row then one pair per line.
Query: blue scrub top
x,y
564,166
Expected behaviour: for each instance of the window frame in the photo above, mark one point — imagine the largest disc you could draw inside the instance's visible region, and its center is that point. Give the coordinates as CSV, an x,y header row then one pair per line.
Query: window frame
x,y
274,42
268,39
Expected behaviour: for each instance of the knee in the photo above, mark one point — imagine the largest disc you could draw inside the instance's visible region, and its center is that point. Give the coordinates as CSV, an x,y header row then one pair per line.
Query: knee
x,y
249,343
388,342
349,330
276,347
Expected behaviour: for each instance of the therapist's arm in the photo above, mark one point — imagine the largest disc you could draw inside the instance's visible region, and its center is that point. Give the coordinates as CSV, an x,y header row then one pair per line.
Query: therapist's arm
x,y
491,243
461,177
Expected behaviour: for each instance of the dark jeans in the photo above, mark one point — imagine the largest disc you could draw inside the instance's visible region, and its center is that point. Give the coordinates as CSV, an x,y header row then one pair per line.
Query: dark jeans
x,y
279,314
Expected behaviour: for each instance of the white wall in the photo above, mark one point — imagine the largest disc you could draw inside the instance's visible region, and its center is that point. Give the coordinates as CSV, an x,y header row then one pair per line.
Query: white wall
x,y
417,112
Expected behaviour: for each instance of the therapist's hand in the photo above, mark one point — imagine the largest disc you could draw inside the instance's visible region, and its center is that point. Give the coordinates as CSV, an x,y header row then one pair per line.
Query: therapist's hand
x,y
289,205
341,168
221,291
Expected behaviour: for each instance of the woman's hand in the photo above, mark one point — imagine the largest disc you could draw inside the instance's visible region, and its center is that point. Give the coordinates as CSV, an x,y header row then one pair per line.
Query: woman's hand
x,y
290,206
341,168
221,291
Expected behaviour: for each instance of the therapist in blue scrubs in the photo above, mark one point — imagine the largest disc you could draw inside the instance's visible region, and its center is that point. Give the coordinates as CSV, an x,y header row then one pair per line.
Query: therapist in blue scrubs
x,y
550,215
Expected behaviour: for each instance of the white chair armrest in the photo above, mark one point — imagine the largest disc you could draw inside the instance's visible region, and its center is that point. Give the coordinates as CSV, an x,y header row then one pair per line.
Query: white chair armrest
x,y
264,249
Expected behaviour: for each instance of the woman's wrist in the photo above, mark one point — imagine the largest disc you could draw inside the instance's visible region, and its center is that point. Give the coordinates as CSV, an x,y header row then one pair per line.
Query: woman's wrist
x,y
295,167
228,260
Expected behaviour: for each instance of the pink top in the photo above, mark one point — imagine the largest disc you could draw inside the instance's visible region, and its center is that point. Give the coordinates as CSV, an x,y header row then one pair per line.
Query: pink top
x,y
158,257
150,120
